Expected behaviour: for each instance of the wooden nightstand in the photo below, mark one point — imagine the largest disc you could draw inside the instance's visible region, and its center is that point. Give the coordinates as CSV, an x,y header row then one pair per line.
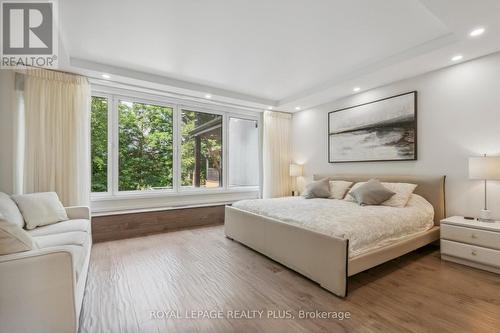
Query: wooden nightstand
x,y
471,243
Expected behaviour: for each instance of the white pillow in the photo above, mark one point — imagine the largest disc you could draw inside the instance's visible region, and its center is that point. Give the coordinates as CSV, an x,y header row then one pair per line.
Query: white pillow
x,y
338,189
10,211
403,193
400,199
14,239
40,209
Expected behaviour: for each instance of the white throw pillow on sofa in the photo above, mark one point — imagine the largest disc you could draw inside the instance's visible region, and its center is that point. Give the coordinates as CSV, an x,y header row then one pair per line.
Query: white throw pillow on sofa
x,y
14,239
10,211
40,209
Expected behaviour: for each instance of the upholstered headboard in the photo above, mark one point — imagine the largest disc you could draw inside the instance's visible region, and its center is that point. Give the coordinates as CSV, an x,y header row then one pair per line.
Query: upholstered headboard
x,y
431,188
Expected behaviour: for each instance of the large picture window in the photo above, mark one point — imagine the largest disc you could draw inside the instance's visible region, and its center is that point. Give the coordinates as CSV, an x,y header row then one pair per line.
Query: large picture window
x,y
143,143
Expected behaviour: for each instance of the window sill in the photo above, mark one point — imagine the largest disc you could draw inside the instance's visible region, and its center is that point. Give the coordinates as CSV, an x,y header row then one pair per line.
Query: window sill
x,y
107,204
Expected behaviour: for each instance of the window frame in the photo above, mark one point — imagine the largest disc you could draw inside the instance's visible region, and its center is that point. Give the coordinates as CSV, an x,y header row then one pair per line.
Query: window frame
x,y
114,95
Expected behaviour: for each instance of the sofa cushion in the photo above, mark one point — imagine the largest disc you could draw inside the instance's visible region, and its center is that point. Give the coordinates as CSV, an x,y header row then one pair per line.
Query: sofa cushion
x,y
62,227
65,238
78,253
14,239
40,209
76,242
10,211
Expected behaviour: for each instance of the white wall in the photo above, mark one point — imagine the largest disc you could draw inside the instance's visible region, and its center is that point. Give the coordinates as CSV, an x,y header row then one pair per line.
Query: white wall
x,y
6,134
458,117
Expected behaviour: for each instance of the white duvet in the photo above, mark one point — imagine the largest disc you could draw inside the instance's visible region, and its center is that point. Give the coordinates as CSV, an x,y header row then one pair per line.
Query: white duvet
x,y
366,227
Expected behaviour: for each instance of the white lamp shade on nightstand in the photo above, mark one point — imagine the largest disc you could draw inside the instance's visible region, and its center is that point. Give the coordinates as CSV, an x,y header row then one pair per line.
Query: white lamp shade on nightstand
x,y
484,168
296,170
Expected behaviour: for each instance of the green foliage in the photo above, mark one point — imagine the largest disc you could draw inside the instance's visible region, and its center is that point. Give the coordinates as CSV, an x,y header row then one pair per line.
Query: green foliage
x,y
145,147
99,146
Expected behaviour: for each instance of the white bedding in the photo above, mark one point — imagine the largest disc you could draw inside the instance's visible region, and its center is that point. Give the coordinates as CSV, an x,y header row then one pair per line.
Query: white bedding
x,y
366,227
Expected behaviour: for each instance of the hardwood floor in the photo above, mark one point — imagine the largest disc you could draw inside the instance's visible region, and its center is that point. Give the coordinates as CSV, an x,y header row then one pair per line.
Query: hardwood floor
x,y
200,270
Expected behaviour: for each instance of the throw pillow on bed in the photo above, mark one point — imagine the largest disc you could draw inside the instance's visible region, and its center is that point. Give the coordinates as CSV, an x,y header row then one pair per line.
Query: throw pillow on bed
x,y
318,189
338,189
40,209
371,193
403,193
400,199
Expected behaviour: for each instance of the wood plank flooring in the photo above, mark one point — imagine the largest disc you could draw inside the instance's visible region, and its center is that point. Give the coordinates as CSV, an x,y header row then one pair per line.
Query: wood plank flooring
x,y
201,270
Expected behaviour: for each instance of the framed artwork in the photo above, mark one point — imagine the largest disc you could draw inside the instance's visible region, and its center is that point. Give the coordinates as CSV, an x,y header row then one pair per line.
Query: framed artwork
x,y
382,130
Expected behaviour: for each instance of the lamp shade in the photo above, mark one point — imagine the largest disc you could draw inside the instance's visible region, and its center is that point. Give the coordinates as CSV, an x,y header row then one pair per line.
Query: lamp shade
x,y
295,170
484,167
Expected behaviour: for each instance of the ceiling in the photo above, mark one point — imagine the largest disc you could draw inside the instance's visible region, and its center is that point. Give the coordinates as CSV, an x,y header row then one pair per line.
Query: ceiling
x,y
280,53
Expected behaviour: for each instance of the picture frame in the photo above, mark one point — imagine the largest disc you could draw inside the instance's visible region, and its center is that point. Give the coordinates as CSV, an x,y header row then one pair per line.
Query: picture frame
x,y
378,131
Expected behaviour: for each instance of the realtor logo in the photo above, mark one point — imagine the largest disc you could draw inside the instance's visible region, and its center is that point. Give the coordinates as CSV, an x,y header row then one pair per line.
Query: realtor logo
x,y
28,33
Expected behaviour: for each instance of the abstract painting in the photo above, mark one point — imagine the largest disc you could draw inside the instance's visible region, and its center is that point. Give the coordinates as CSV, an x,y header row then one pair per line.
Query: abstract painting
x,y
383,130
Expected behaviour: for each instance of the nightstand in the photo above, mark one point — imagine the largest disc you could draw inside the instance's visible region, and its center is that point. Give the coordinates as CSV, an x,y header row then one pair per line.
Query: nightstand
x,y
471,243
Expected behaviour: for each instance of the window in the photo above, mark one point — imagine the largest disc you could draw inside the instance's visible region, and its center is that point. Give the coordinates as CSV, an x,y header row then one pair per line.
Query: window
x,y
243,152
99,143
143,144
201,160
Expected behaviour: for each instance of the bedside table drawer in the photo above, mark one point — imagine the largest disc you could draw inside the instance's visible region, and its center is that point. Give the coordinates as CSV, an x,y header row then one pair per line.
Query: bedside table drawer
x,y
471,252
479,237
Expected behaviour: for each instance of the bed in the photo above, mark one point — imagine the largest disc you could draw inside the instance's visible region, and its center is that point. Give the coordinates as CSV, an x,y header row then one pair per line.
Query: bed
x,y
296,232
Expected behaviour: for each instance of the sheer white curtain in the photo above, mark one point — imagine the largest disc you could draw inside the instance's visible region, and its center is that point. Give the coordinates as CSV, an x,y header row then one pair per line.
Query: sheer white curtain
x,y
276,154
55,139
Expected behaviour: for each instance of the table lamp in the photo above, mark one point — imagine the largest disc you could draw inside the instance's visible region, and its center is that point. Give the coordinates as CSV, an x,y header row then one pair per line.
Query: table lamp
x,y
485,168
295,171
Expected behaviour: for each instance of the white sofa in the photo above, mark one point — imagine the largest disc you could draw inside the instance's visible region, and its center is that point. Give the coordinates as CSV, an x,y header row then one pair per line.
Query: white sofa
x,y
41,290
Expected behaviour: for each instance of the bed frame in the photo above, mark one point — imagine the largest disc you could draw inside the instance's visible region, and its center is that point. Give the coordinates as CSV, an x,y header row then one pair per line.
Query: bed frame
x,y
322,258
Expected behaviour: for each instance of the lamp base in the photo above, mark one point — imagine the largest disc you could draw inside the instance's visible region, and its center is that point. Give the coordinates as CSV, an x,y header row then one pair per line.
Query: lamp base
x,y
485,216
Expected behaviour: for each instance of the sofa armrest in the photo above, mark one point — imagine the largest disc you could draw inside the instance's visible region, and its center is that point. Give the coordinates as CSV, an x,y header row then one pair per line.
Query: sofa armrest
x,y
37,291
78,212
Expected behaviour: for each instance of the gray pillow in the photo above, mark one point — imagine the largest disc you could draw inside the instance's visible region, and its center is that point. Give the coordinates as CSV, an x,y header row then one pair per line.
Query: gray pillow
x,y
371,193
318,189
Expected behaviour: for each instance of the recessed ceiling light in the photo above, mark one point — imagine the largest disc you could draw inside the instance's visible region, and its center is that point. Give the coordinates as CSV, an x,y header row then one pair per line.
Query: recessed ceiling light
x,y
208,96
457,57
297,108
356,89
269,107
477,32
106,76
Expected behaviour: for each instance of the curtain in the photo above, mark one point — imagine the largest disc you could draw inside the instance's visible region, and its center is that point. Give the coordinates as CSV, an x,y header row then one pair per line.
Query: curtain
x,y
276,154
56,154
18,134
